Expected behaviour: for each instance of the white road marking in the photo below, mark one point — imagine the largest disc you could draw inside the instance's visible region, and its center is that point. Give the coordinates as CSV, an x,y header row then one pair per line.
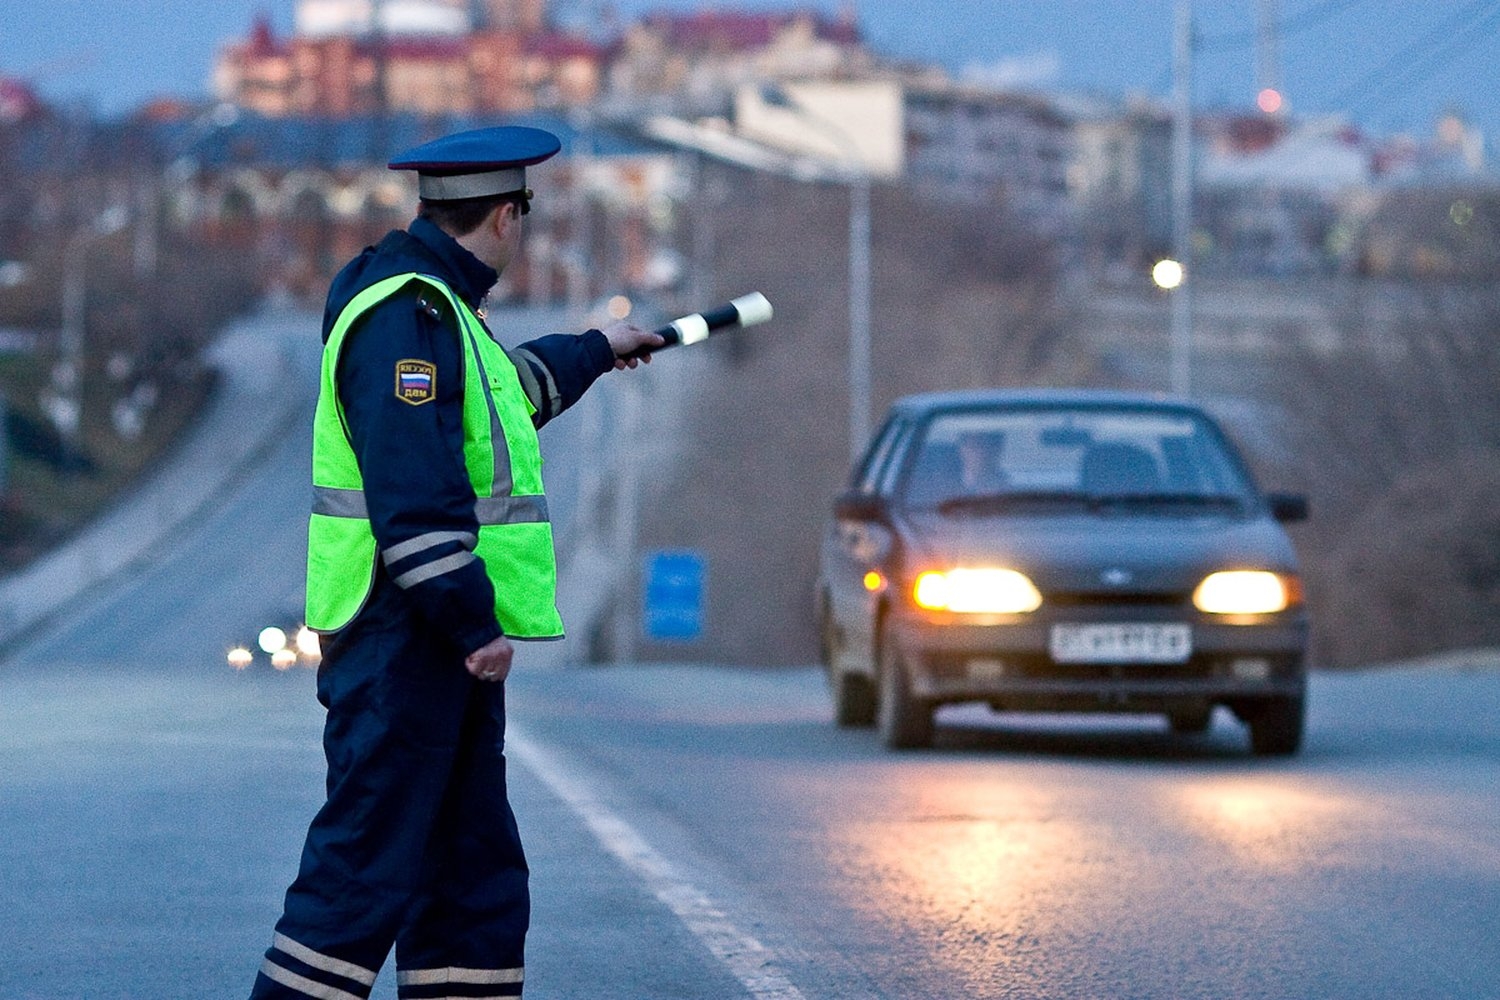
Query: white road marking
x,y
751,962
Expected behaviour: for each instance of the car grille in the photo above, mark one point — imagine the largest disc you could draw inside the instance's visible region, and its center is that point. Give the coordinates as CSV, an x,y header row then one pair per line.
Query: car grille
x,y
1114,598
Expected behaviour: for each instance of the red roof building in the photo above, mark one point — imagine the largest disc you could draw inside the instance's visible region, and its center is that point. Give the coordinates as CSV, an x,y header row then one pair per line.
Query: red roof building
x,y
485,71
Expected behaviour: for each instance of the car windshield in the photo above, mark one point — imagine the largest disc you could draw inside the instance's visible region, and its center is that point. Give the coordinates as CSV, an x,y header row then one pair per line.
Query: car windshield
x,y
1080,458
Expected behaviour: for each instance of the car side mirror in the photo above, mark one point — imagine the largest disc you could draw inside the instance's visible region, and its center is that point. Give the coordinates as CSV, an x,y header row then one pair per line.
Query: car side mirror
x,y
858,506
1287,507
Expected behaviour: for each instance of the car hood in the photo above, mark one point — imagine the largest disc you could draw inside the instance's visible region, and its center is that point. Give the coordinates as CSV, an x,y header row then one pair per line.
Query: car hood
x,y
1104,551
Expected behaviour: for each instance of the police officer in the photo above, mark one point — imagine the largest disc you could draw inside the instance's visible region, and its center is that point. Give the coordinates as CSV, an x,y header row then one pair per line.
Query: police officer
x,y
429,553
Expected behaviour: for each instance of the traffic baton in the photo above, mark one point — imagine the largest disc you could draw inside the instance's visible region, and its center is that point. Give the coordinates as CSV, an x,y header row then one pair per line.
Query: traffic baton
x,y
747,310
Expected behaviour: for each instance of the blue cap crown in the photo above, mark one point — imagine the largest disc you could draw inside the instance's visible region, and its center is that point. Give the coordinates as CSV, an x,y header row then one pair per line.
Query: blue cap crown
x,y
479,163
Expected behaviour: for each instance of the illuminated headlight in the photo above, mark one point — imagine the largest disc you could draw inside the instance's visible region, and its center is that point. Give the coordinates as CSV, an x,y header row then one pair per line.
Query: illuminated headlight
x,y
308,643
272,639
1245,592
991,591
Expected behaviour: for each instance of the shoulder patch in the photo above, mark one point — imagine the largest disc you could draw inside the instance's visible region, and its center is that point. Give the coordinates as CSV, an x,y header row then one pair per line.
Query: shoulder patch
x,y
416,381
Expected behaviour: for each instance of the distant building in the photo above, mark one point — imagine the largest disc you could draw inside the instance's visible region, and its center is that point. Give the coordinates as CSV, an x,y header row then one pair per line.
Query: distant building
x,y
297,197
976,144
1270,192
429,57
341,18
331,18
844,122
694,63
1119,180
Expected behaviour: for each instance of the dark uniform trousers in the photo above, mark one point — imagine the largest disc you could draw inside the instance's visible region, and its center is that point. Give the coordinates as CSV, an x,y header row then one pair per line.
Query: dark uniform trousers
x,y
416,844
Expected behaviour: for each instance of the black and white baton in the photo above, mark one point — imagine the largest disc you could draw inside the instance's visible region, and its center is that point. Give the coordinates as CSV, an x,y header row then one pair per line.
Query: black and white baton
x,y
747,310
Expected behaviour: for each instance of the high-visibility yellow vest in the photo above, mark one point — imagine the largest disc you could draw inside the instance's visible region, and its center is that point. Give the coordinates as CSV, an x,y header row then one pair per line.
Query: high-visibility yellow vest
x,y
504,464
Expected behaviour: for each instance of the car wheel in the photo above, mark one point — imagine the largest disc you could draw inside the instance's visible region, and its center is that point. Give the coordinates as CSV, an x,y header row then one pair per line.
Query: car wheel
x,y
1193,720
853,699
904,720
827,635
1276,726
853,694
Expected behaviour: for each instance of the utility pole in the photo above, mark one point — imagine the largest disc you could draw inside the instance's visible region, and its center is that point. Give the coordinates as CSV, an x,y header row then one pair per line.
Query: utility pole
x,y
1181,347
860,351
1267,47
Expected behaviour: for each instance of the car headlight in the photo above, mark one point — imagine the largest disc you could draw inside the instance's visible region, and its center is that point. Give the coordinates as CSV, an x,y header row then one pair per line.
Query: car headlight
x,y
1246,592
984,591
271,639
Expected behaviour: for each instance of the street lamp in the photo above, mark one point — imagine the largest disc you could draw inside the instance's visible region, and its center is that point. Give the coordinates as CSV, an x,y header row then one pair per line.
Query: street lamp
x,y
1167,274
857,176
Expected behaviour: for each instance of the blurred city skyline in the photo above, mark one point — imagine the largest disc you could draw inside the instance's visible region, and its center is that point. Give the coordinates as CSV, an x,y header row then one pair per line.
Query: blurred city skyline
x,y
1396,67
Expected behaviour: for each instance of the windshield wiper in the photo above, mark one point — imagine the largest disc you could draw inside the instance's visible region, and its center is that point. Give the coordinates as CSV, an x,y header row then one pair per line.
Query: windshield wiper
x,y
1009,499
1221,501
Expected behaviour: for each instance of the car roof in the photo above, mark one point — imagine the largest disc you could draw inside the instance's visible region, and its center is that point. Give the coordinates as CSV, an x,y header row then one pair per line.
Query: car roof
x,y
931,402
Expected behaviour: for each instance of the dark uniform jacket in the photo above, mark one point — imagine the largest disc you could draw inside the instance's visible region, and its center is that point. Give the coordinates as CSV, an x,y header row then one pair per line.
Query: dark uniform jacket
x,y
411,457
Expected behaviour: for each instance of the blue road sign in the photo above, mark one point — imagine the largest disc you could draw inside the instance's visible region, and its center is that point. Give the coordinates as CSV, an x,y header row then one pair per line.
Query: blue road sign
x,y
674,595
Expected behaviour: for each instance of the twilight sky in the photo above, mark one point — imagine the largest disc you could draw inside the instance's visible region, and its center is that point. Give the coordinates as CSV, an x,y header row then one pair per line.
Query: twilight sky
x,y
1391,65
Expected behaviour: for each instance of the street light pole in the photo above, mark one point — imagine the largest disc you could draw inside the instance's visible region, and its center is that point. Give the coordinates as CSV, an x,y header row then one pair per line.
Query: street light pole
x,y
1181,347
860,360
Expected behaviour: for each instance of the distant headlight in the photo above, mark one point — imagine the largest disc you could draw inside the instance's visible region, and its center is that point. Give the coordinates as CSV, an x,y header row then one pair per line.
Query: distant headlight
x,y
272,639
308,643
983,591
1245,592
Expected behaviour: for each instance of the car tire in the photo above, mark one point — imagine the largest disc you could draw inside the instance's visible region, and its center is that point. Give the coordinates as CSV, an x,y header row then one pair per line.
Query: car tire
x,y
1191,721
853,694
853,699
1276,726
827,636
904,720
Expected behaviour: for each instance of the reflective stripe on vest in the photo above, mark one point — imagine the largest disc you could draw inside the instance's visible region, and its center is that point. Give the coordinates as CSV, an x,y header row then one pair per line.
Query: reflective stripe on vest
x,y
487,510
503,461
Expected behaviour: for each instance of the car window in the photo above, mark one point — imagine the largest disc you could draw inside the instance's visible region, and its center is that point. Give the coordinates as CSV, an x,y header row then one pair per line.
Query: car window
x,y
1073,453
867,475
885,483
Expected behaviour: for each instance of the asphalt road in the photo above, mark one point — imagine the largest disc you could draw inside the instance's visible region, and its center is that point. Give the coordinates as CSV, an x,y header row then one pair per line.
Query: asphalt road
x,y
703,832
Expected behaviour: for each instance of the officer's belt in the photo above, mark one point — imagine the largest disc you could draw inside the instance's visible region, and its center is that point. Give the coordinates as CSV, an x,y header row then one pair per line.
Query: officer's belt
x,y
333,502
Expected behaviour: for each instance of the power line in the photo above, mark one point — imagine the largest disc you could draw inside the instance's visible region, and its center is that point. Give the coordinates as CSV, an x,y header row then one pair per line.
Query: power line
x,y
1416,62
1287,27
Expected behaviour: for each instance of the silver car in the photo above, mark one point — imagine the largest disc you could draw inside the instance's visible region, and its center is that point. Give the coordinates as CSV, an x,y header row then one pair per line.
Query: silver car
x,y
1061,551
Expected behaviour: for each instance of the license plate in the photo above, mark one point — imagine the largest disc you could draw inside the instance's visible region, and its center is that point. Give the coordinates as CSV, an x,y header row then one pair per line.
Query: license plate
x,y
1121,643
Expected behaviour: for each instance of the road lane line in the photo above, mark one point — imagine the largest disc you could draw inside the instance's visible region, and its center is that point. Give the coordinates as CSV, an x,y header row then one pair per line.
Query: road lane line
x,y
749,961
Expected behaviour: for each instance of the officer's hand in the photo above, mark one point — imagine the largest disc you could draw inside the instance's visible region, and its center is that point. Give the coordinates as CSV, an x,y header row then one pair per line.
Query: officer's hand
x,y
491,662
624,338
